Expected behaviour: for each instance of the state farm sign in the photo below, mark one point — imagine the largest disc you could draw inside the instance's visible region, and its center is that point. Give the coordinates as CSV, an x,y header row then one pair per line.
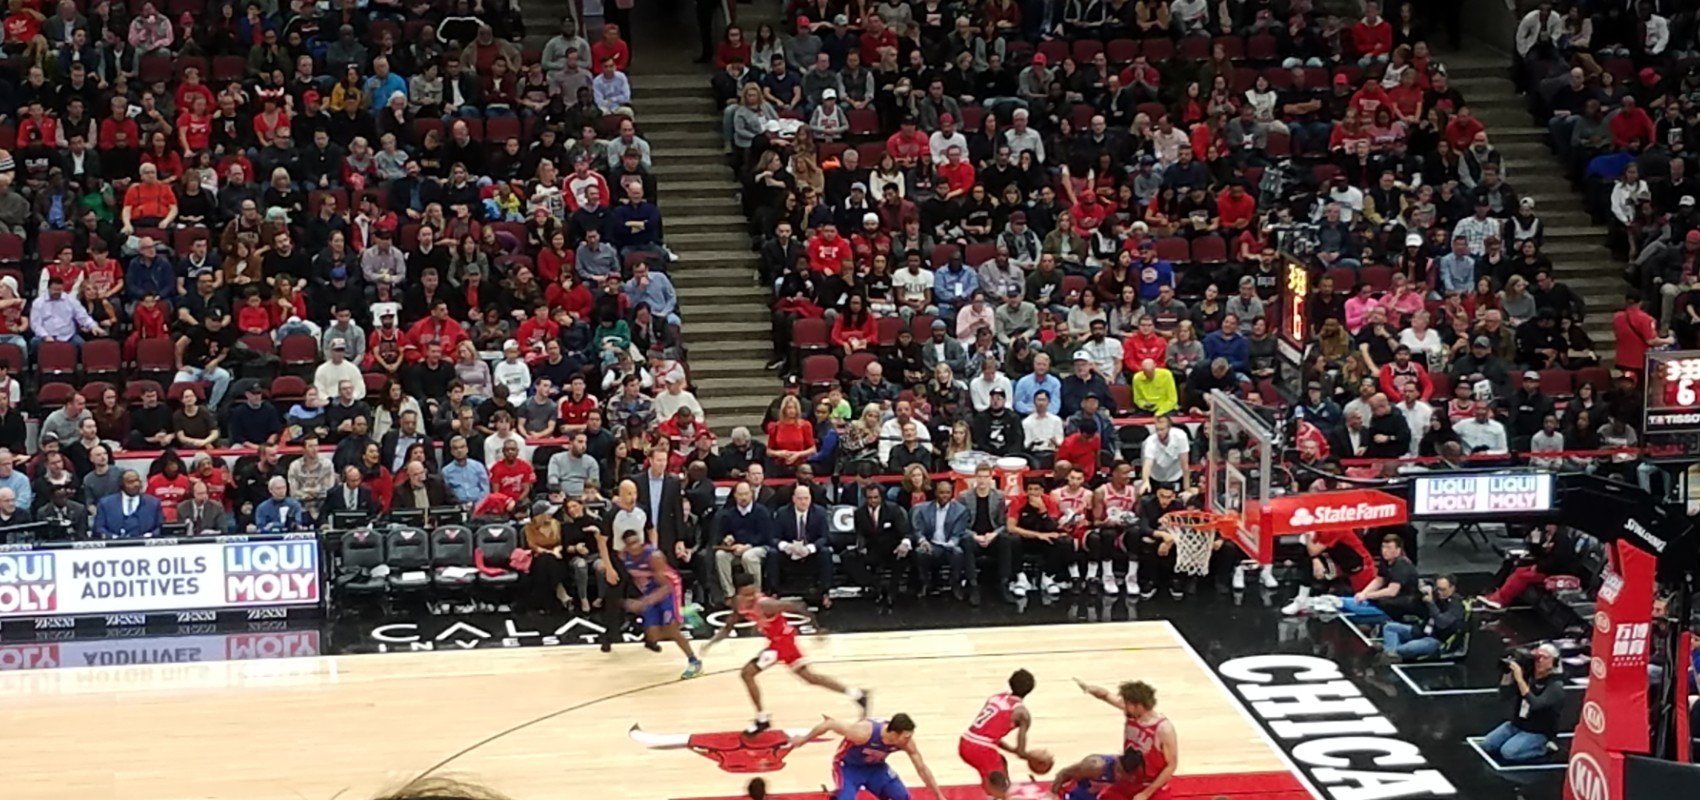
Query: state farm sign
x,y
1328,511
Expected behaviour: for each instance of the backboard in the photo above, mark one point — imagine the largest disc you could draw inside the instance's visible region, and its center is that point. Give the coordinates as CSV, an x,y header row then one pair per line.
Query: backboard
x,y
1241,446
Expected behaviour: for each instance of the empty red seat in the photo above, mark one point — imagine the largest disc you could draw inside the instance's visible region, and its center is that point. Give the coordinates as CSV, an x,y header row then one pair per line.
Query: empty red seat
x,y
54,394
921,326
156,356
820,370
288,388
56,358
1173,249
298,349
1209,250
1557,383
809,334
1122,51
102,357
856,364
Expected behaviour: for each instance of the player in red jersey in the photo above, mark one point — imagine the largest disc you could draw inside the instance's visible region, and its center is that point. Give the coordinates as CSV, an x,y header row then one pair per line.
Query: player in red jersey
x,y
1147,733
1334,556
1002,713
769,616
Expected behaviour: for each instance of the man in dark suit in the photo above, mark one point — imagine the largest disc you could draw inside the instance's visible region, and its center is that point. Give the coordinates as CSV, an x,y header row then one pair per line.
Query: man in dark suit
x,y
128,514
69,513
350,497
661,496
419,487
393,448
199,514
942,530
882,535
801,531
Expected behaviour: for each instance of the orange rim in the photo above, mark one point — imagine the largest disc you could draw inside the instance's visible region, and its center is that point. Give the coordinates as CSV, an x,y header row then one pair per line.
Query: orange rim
x,y
1198,520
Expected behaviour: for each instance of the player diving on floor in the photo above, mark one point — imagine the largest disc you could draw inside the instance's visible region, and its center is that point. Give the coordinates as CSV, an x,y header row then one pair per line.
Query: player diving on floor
x,y
768,614
860,763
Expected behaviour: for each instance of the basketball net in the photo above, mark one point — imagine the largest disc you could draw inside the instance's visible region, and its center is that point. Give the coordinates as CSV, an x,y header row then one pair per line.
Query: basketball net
x,y
1195,533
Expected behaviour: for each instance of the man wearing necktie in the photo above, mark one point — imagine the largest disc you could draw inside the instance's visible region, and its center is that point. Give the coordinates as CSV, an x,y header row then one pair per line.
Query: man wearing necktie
x,y
803,537
128,514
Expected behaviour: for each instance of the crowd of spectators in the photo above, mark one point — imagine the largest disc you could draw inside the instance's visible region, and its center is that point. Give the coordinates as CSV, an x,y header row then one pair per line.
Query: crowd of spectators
x,y
1616,92
307,259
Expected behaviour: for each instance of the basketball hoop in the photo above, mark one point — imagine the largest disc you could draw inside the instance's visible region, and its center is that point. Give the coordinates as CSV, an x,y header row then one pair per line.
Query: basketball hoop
x,y
1195,533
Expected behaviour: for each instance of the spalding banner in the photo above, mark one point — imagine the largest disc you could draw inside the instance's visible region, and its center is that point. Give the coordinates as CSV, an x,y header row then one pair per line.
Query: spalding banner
x,y
159,575
1614,709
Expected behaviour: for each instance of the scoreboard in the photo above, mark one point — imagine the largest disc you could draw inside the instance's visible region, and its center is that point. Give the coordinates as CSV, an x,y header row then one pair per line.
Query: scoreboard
x,y
1673,392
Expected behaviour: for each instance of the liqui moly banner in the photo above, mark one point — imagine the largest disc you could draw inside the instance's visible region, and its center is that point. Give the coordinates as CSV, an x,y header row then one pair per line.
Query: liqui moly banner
x,y
162,575
1614,709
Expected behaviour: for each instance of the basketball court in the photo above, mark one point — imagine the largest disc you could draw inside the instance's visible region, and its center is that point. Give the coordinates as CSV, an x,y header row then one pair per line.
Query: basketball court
x,y
558,722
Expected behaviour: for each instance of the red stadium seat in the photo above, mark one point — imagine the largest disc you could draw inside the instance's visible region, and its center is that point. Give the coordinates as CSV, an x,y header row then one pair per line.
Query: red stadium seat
x,y
1558,383
1379,278
870,152
856,364
1122,51
1442,382
259,343
921,326
1193,48
979,253
1345,280
1262,48
1280,145
102,357
820,370
288,388
133,390
226,69
1081,115
183,63
1121,397
54,394
501,129
1054,51
1209,250
11,248
184,238
375,382
1085,49
1232,46
1597,377
154,69
156,357
863,122
92,391
809,334
1279,79
56,358
49,242
1071,285
941,254
1154,111
1174,249
13,357
888,328
973,118
174,393
1157,50
298,349
1323,173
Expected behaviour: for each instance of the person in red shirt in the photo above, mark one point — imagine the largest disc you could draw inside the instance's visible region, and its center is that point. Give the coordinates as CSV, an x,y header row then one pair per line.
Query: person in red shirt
x,y
1462,130
828,251
510,475
907,145
854,330
870,241
1082,447
253,317
103,272
957,174
148,321
875,37
1371,97
611,46
1089,214
791,438
734,48
576,407
118,122
1235,208
22,27
169,485
439,328
36,127
194,125
1144,343
569,294
1635,333
1631,128
1402,370
1372,36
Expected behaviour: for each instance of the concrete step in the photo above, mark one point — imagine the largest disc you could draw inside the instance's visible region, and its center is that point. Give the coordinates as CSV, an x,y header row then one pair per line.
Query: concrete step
x,y
677,168
714,154
734,223
715,387
1583,250
656,103
669,137
705,263
719,239
721,367
722,187
666,81
749,311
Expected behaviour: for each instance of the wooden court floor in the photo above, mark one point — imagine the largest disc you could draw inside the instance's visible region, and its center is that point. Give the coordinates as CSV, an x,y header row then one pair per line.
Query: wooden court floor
x,y
553,722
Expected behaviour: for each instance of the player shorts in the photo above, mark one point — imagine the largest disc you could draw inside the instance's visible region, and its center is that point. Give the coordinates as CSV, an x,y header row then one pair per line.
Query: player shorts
x,y
984,758
662,614
876,779
783,651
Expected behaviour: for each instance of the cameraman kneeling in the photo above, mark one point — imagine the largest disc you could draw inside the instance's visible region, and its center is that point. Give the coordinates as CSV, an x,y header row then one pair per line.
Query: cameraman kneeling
x,y
1534,721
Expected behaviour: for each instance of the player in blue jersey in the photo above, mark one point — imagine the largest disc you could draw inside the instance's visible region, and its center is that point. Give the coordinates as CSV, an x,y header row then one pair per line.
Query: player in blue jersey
x,y
860,763
657,603
1106,777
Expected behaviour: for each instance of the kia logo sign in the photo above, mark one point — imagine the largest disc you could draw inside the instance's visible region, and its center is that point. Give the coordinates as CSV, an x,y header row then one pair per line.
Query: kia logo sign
x,y
1586,779
1594,717
1597,668
1602,622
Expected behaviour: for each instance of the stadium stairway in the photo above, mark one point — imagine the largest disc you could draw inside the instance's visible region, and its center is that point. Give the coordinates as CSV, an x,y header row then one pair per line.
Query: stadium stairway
x,y
726,323
1574,243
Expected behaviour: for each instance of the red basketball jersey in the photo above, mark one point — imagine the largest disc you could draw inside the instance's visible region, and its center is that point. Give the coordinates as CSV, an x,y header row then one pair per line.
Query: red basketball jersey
x,y
995,720
1142,736
775,627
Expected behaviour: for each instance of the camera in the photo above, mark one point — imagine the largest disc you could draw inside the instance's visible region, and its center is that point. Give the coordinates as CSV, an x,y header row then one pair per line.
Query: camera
x,y
1523,657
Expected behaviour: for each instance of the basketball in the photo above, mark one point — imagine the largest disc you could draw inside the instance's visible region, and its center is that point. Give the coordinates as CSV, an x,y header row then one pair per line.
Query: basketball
x,y
1040,761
